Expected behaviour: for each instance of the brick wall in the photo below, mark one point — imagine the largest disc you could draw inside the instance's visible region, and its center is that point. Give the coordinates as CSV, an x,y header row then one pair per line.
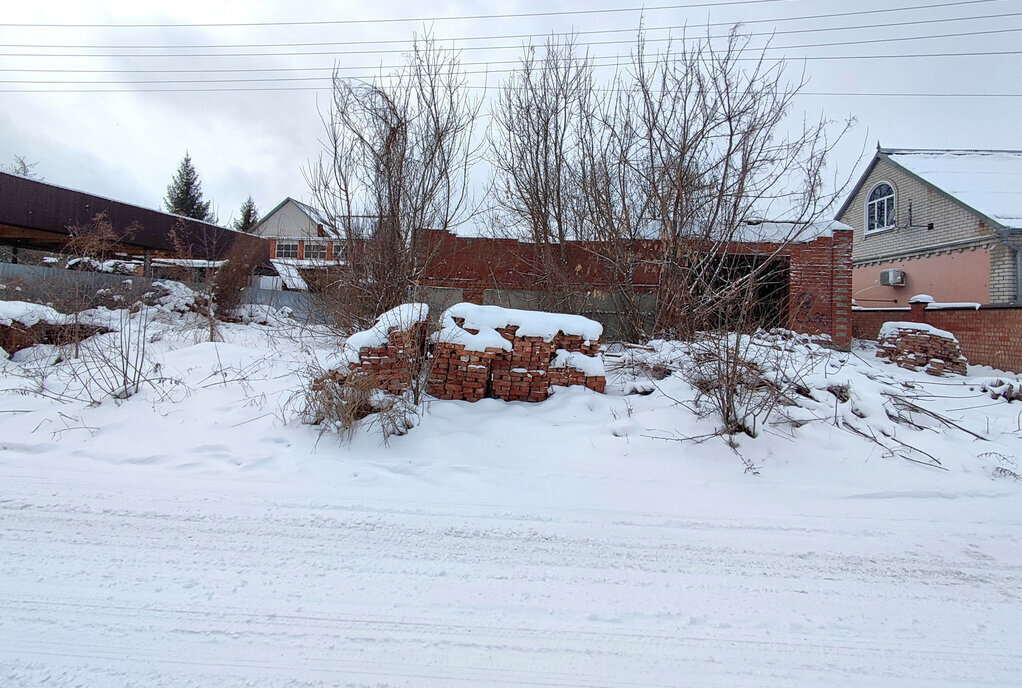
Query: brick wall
x,y
820,273
990,336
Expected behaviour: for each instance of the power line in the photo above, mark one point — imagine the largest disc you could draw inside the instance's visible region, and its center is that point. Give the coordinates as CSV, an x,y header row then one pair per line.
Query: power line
x,y
363,78
490,62
838,94
491,47
460,39
513,16
596,62
391,20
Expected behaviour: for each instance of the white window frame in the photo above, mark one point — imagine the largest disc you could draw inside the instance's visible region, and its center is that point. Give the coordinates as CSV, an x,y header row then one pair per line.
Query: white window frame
x,y
290,252
889,203
314,245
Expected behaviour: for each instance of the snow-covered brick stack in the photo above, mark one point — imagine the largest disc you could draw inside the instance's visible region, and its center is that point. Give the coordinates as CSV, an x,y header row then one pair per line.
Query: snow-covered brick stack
x,y
515,355
390,350
915,345
24,324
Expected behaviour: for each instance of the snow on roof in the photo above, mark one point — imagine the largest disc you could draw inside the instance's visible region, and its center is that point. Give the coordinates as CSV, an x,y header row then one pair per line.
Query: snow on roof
x,y
187,262
780,232
307,262
987,181
313,214
486,319
289,273
401,317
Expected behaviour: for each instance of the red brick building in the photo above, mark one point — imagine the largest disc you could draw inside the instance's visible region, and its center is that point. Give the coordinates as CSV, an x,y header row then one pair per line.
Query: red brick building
x,y
816,270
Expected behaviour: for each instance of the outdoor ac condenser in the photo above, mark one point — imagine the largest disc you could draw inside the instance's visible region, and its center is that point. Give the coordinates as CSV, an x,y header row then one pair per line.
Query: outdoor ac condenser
x,y
892,278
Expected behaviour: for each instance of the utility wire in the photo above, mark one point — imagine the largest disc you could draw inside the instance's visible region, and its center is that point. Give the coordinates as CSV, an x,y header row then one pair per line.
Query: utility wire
x,y
840,94
460,39
366,78
643,9
593,61
497,62
491,47
392,20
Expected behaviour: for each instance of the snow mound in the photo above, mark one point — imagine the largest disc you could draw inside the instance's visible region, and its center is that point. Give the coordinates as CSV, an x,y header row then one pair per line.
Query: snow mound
x,y
403,317
29,314
891,328
486,319
592,366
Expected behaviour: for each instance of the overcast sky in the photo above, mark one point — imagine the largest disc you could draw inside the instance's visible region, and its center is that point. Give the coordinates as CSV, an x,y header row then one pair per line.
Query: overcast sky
x,y
903,74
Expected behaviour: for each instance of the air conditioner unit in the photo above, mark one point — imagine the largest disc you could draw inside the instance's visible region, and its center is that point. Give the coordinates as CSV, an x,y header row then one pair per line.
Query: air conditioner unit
x,y
892,278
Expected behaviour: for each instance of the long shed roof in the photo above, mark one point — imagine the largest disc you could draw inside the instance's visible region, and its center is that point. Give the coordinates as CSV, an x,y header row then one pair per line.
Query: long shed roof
x,y
42,207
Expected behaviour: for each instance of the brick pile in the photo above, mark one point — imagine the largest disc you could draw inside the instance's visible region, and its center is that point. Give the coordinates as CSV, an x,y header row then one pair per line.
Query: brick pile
x,y
913,347
393,364
521,374
459,374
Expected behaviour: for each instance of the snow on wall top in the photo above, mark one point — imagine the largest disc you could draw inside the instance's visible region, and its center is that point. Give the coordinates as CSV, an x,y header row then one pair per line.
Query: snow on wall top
x,y
486,319
892,328
402,317
988,181
795,232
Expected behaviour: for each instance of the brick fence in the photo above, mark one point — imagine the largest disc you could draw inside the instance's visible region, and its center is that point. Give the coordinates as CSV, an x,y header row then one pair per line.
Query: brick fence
x,y
819,295
991,335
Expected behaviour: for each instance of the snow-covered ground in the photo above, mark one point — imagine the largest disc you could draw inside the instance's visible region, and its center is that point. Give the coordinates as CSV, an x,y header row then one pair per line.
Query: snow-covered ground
x,y
198,534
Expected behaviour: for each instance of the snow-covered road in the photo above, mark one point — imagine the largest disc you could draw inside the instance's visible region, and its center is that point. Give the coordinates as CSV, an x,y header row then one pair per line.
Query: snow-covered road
x,y
198,535
107,579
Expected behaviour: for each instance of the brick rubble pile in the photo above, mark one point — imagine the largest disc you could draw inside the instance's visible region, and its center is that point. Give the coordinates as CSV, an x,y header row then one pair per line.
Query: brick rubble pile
x,y
915,346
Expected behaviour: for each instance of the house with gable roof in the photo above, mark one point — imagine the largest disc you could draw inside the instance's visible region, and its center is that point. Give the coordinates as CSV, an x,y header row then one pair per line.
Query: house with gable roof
x,y
300,238
947,223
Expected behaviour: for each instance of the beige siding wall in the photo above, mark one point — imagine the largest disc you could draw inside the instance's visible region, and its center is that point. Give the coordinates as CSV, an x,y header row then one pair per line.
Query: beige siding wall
x,y
289,221
951,222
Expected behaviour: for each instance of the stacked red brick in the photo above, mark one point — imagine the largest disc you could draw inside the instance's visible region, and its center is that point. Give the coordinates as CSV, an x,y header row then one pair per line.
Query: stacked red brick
x,y
392,350
508,362
393,364
915,345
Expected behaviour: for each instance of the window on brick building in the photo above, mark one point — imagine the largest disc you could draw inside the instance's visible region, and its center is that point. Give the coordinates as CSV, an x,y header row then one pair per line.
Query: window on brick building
x,y
880,208
315,251
287,249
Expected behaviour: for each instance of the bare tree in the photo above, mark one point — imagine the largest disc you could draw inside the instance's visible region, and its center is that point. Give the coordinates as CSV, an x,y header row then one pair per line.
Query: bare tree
x,y
719,149
220,263
535,139
398,152
21,167
663,172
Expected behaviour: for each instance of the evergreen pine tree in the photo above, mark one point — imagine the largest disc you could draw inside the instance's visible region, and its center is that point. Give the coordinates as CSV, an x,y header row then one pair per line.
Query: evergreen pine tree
x,y
249,216
184,195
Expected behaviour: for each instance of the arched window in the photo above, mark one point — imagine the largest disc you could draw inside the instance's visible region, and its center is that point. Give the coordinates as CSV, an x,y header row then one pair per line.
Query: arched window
x,y
880,208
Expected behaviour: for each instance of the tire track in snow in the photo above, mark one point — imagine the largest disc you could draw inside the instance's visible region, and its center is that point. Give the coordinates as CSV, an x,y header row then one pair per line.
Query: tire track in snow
x,y
271,593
